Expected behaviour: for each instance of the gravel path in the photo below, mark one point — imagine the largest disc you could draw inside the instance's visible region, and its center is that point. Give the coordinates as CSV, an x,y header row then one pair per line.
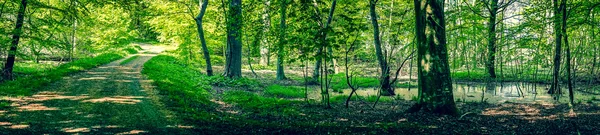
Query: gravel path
x,y
110,99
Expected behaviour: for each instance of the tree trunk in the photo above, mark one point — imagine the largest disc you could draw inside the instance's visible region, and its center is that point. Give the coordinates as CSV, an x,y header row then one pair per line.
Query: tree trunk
x,y
264,47
435,83
492,39
384,80
555,87
282,42
234,49
10,60
198,19
568,48
323,42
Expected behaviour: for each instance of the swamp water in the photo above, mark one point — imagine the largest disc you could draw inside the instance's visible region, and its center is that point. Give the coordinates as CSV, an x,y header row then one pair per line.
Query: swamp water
x,y
515,92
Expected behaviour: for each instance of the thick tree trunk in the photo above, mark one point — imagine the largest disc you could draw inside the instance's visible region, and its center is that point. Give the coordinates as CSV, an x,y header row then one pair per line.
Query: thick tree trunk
x,y
234,49
555,87
198,19
492,39
10,60
568,48
282,42
384,79
435,83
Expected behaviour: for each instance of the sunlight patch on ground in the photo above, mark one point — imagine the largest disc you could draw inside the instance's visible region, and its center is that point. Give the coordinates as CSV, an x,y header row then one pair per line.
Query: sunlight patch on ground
x,y
117,99
20,126
5,123
180,126
75,130
508,109
92,78
35,107
132,132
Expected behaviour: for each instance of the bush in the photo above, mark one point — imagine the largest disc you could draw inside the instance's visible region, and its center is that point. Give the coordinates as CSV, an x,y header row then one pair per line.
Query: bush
x,y
283,91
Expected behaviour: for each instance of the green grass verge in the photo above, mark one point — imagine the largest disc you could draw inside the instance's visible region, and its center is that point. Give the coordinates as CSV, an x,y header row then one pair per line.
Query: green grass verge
x,y
129,60
339,82
264,105
371,98
283,91
185,89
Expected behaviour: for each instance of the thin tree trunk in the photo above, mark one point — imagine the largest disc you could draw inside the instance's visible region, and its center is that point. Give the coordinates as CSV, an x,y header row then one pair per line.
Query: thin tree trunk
x,y
322,40
10,60
568,49
385,71
205,51
282,42
435,83
264,48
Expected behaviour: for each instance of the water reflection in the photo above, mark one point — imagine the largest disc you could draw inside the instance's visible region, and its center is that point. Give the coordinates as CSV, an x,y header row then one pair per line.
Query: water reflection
x,y
516,92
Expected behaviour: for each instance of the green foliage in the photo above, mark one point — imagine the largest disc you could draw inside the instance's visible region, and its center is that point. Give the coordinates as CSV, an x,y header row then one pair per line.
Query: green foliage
x,y
284,91
246,83
258,104
129,59
373,98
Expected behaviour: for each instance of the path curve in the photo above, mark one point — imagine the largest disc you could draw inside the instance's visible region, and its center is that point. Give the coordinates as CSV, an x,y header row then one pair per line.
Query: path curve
x,y
110,99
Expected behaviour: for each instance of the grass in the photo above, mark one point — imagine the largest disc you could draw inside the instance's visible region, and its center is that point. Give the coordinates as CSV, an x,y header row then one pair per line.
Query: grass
x,y
264,105
240,83
509,75
371,98
339,82
129,60
283,91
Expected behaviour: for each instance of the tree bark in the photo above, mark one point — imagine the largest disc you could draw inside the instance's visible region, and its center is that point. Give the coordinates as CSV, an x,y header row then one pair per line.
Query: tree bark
x,y
555,87
568,48
384,79
234,49
10,60
492,39
198,19
282,42
323,42
435,83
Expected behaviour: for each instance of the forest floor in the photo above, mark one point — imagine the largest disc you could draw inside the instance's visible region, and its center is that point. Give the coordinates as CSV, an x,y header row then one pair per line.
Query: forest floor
x,y
111,99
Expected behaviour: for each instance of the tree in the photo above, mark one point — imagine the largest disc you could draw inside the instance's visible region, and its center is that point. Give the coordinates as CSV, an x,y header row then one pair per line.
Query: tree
x,y
203,5
384,79
282,42
10,60
234,43
563,4
435,83
322,36
555,87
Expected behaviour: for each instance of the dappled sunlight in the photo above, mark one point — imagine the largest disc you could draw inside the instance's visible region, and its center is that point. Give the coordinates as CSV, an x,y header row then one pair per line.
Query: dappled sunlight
x,y
92,78
132,132
5,123
117,99
511,109
75,130
36,107
107,126
18,126
45,96
181,126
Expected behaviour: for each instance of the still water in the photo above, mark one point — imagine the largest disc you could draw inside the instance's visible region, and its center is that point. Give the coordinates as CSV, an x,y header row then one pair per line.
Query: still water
x,y
485,92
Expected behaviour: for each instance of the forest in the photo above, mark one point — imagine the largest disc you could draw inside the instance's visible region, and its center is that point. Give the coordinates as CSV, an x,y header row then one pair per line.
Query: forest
x,y
299,66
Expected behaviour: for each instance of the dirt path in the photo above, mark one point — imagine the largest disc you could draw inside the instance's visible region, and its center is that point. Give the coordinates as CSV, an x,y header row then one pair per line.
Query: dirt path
x,y
110,99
